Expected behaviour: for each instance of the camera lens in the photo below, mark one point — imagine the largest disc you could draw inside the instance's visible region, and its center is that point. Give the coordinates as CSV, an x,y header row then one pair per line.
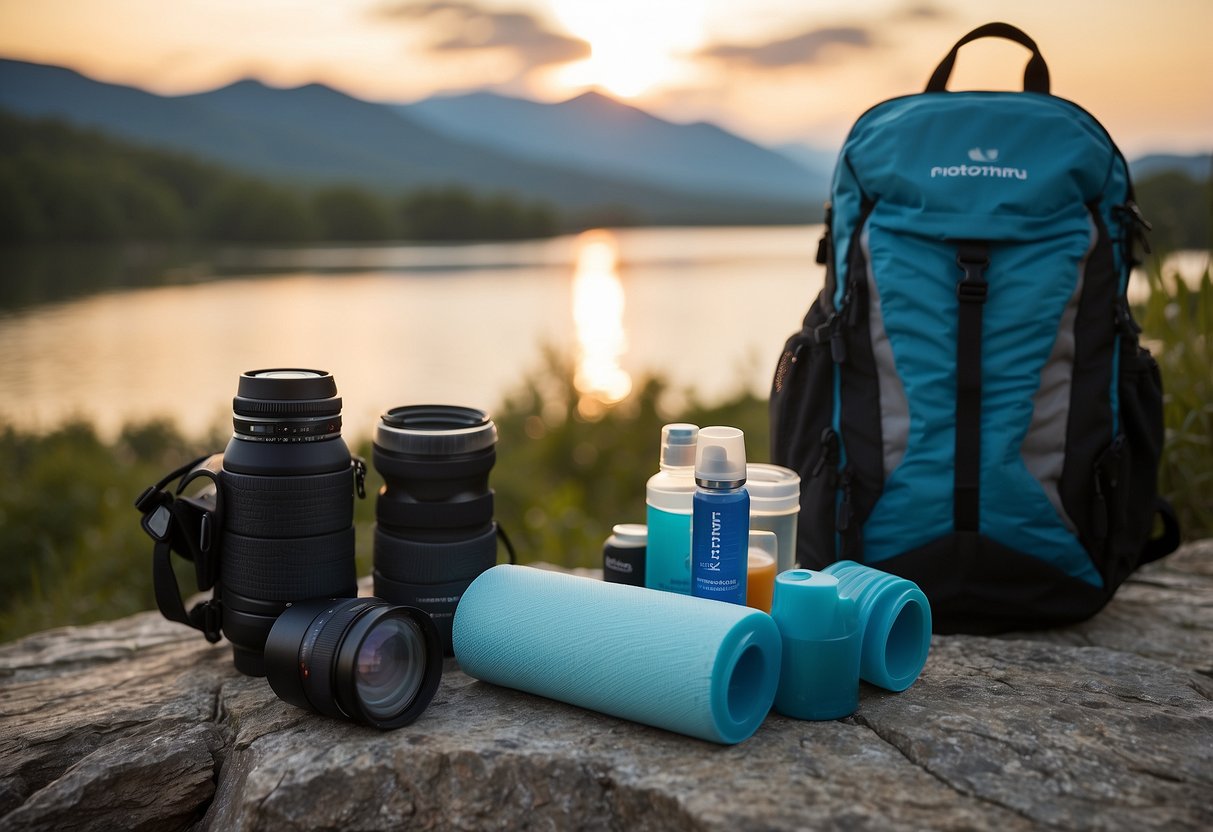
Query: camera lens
x,y
288,481
286,405
434,516
355,658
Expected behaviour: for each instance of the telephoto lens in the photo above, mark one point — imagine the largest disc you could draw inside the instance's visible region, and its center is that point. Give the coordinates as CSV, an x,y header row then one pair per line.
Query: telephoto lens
x,y
355,658
434,529
288,482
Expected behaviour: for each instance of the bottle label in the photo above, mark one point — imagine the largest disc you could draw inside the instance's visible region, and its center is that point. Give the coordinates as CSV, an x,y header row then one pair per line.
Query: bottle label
x,y
720,546
623,565
668,565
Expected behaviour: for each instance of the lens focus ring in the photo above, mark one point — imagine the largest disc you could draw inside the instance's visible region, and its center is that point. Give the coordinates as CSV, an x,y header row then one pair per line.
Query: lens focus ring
x,y
318,657
277,507
417,562
289,569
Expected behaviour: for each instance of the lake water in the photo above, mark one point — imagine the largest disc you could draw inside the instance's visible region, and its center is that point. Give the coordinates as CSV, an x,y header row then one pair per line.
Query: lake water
x,y
708,309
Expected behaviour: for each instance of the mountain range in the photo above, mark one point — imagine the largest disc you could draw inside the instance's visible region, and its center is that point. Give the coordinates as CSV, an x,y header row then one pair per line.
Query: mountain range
x,y
315,134
595,132
588,155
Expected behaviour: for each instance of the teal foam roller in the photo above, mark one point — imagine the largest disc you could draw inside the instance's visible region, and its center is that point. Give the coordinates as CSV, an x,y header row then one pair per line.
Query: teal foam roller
x,y
702,668
895,618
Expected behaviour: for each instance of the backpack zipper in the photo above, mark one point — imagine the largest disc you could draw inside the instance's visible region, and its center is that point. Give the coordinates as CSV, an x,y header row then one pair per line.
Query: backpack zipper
x,y
1107,471
827,460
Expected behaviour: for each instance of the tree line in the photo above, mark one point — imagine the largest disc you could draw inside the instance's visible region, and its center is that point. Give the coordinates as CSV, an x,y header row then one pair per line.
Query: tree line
x,y
60,183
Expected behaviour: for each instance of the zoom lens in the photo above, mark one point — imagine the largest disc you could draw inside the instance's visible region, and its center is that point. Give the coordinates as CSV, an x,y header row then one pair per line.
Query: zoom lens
x,y
355,658
434,516
288,481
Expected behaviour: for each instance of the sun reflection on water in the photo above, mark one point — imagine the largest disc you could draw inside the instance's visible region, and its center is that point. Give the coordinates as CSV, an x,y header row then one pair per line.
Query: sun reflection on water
x,y
598,303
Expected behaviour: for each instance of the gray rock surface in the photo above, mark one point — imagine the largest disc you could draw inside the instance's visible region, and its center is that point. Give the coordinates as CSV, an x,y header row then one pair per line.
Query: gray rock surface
x,y
139,724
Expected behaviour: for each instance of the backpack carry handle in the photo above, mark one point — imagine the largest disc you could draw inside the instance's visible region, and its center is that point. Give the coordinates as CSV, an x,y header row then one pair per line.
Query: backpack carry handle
x,y
1035,75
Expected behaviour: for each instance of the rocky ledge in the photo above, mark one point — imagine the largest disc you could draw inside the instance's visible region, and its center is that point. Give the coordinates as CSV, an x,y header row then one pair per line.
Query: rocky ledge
x,y
139,724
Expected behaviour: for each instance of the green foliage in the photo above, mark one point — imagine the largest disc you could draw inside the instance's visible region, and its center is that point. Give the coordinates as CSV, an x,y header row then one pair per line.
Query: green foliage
x,y
454,213
568,468
62,184
1177,324
1179,208
69,535
245,210
351,214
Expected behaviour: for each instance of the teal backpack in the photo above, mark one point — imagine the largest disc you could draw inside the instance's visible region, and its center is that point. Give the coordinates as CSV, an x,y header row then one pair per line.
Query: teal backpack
x,y
967,402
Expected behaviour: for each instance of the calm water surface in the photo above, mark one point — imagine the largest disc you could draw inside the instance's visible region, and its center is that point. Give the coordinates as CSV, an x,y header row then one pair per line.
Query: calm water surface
x,y
708,309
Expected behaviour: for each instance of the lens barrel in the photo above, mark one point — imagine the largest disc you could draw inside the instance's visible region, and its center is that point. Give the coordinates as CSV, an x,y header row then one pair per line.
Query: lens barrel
x,y
434,516
362,659
288,483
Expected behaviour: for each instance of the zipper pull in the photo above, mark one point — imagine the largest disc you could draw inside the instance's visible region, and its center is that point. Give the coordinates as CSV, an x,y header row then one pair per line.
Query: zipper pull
x,y
1138,228
1124,322
1099,521
843,523
829,452
838,345
359,476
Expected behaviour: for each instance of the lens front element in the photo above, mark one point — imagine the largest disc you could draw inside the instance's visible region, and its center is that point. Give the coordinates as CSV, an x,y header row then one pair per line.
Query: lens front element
x,y
389,667
358,658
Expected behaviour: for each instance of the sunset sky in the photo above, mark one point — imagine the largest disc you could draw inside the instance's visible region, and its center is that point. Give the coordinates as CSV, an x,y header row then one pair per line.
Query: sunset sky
x,y
771,70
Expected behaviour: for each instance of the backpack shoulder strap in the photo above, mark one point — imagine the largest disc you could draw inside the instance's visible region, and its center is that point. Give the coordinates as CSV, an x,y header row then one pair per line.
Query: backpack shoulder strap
x,y
1168,542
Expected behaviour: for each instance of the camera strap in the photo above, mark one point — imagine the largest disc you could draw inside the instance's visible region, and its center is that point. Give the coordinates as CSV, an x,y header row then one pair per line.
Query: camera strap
x,y
189,526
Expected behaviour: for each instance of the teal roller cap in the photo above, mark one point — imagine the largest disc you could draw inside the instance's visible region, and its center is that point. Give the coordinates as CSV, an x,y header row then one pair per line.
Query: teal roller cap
x,y
821,644
702,668
895,618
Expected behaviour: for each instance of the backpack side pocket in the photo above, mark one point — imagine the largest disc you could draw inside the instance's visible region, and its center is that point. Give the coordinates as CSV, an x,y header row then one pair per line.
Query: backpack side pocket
x,y
801,411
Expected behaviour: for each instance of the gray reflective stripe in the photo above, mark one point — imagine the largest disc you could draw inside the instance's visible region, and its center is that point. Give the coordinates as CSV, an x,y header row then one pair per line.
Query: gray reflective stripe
x,y
894,407
1044,447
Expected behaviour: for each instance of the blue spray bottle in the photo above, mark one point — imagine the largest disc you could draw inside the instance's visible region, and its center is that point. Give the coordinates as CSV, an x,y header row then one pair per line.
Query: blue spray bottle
x,y
720,523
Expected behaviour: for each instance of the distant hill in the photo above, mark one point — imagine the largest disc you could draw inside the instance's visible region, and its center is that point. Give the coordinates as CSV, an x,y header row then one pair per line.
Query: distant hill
x,y
596,132
66,184
818,161
316,134
1197,166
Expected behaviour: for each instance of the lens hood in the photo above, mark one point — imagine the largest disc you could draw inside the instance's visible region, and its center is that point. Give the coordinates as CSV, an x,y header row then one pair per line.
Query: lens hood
x,y
435,430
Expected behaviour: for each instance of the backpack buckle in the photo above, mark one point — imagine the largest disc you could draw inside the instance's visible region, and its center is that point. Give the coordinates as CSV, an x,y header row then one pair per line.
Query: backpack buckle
x,y
973,259
972,291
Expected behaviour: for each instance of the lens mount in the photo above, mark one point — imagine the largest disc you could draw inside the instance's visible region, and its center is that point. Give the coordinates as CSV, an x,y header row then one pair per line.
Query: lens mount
x,y
435,430
363,659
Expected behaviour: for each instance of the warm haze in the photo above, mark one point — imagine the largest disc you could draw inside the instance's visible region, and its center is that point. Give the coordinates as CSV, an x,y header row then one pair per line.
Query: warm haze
x,y
772,70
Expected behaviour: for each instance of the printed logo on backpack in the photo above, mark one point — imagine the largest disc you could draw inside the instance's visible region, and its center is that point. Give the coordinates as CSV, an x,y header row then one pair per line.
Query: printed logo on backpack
x,y
967,402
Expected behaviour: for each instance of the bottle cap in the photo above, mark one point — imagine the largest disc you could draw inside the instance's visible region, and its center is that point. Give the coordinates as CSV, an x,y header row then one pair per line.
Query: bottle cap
x,y
821,636
629,535
720,458
773,488
678,445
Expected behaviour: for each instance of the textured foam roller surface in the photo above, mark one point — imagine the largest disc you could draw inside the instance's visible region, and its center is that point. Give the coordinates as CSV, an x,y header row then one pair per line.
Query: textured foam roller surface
x,y
702,668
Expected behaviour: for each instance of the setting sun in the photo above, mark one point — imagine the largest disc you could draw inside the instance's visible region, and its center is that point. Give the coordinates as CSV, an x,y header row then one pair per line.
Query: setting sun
x,y
635,45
